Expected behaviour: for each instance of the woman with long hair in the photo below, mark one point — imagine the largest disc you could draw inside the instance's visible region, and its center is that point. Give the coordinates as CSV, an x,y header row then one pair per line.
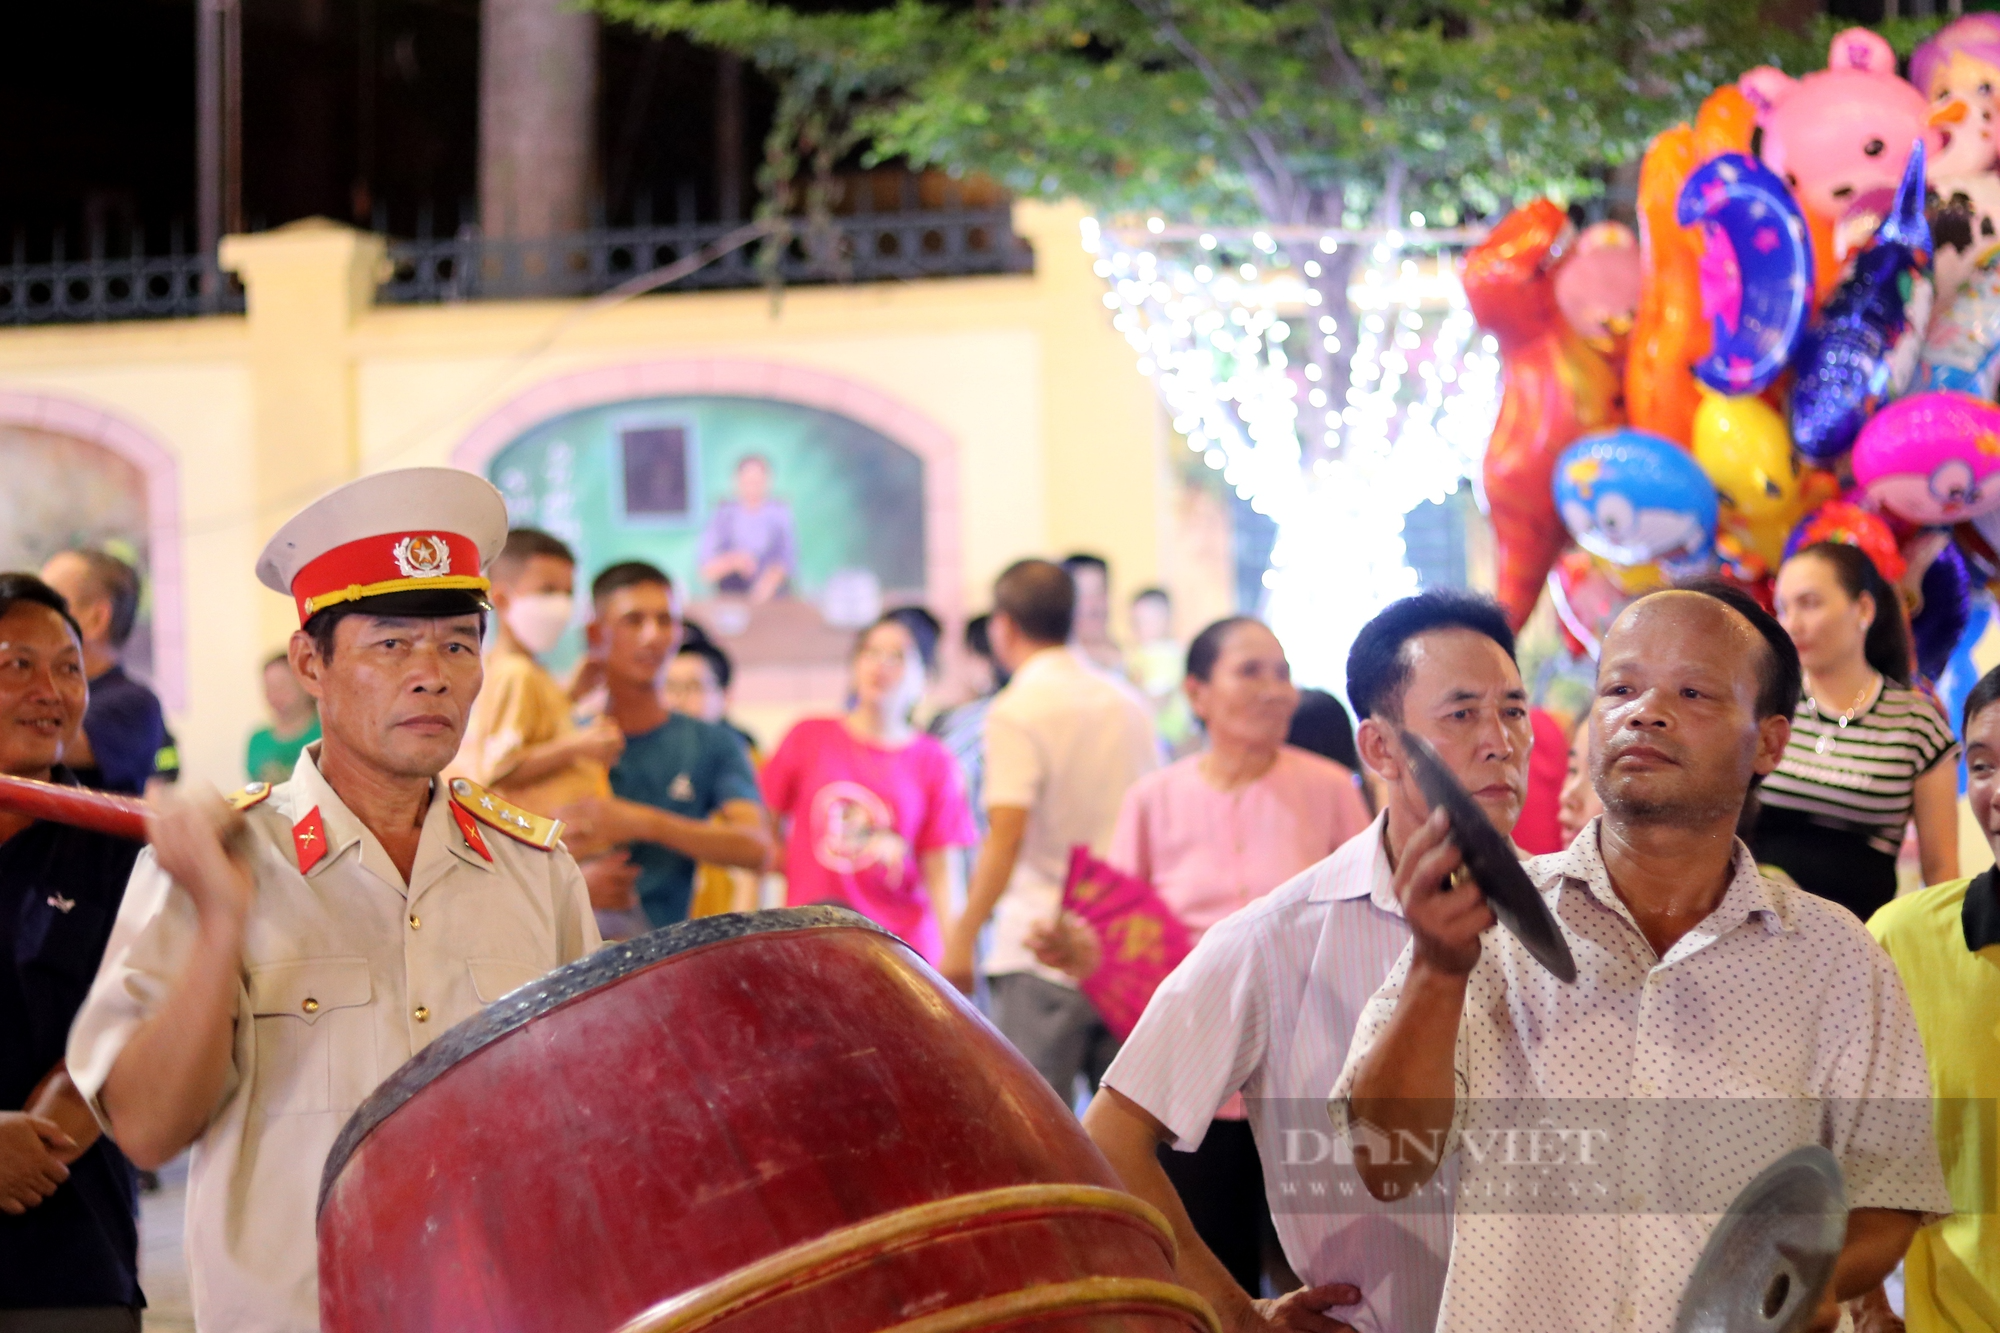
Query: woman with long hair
x,y
1868,753
869,805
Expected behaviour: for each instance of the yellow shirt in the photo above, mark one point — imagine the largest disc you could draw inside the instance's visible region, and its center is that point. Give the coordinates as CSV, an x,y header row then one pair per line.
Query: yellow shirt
x,y
520,706
1952,1272
347,972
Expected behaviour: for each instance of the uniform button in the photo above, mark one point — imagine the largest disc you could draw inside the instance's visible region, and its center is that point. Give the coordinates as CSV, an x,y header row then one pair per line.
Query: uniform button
x,y
310,1005
415,922
423,1013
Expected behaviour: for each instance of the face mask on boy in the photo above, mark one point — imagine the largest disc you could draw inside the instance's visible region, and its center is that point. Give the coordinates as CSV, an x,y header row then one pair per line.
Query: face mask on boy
x,y
539,619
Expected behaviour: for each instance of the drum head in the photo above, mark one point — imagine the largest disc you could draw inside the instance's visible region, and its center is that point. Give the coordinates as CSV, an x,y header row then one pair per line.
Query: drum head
x,y
1490,859
1767,1263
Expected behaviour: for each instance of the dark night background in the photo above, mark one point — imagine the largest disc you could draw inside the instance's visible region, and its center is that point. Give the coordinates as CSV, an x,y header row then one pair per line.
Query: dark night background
x,y
360,110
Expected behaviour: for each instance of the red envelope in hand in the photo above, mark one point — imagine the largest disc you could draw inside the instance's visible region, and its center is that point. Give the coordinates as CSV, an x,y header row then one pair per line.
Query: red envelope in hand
x,y
1143,940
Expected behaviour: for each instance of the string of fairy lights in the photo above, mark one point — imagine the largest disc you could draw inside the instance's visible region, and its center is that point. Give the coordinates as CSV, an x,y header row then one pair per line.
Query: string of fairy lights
x,y
1221,324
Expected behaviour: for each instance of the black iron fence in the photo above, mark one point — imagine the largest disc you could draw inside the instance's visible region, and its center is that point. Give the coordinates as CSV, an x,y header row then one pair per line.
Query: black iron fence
x,y
880,247
863,248
81,291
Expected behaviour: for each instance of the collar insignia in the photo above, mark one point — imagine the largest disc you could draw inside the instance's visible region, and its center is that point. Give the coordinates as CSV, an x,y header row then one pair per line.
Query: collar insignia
x,y
309,838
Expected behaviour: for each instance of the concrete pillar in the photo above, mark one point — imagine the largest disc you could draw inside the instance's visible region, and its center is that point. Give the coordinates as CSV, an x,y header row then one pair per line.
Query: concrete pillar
x,y
308,284
537,117
1095,397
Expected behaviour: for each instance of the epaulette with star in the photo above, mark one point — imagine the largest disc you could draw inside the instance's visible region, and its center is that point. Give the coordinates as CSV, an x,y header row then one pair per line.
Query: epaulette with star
x,y
538,831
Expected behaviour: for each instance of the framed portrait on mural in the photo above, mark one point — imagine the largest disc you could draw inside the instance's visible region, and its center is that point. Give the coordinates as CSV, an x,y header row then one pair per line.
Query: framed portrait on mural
x,y
655,468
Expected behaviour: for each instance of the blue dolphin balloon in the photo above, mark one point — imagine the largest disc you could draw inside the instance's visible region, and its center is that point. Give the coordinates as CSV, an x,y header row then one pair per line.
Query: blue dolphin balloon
x,y
1852,360
1633,499
1757,270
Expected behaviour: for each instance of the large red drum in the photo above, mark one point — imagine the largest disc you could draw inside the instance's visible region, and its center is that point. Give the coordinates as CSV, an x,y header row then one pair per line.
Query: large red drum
x,y
774,1123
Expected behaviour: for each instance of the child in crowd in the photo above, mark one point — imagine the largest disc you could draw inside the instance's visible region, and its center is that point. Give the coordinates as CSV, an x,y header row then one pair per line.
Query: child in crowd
x,y
520,739
1156,665
273,750
697,684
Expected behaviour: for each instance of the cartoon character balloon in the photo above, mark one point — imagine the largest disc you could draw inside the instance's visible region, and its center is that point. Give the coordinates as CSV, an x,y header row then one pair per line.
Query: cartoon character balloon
x,y
1862,350
1960,65
1841,137
1944,603
1743,446
1931,458
1756,271
1554,387
1962,346
1597,287
1634,499
1669,332
1958,69
1586,601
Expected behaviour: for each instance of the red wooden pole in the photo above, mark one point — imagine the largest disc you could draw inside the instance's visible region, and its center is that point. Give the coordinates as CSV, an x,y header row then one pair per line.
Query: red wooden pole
x,y
103,811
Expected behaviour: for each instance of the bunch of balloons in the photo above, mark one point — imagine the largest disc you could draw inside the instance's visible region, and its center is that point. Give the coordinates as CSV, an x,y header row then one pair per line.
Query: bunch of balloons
x,y
1813,352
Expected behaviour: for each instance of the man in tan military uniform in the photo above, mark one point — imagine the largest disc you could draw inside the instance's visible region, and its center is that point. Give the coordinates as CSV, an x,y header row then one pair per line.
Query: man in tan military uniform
x,y
263,979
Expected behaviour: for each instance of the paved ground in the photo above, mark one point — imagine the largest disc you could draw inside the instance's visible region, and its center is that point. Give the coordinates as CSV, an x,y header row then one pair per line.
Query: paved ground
x,y
162,1272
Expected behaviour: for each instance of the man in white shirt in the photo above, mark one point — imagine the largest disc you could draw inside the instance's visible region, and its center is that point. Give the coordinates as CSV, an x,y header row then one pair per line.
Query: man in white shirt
x,y
1062,745
1267,1002
1718,1018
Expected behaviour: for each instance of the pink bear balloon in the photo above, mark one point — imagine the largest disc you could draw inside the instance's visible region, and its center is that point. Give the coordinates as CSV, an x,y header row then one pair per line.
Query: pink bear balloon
x,y
1931,458
1841,137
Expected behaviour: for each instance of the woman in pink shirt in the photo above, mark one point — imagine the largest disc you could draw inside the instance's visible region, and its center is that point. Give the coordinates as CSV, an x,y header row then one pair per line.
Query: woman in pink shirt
x,y
1229,823
1213,832
870,804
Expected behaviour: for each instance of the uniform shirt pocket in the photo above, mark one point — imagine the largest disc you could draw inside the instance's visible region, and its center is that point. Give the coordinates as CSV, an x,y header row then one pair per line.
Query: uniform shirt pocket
x,y
314,1048
495,977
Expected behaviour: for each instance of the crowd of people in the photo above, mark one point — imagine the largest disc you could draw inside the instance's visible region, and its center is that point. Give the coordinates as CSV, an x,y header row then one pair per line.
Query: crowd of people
x,y
259,983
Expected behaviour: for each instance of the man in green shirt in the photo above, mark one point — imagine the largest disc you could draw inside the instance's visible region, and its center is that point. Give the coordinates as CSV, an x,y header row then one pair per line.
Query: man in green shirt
x,y
682,790
1946,943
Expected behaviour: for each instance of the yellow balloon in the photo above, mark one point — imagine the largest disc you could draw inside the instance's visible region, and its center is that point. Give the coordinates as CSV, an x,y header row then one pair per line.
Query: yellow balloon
x,y
1744,447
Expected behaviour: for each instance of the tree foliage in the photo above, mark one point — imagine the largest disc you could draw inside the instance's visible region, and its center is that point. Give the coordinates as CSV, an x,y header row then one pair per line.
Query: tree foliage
x,y
1287,111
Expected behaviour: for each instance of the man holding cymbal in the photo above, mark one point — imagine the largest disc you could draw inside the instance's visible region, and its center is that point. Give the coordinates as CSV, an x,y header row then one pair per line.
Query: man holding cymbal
x,y
1718,1018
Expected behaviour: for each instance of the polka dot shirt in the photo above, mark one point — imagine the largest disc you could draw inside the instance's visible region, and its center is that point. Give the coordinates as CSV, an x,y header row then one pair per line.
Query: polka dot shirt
x,y
1602,1127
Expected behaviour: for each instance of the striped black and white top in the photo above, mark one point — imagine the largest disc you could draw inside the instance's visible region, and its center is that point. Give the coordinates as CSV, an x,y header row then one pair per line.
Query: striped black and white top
x,y
1865,779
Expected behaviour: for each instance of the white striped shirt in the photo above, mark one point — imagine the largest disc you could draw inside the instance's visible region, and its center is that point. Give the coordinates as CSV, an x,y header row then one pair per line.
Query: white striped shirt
x,y
1266,1005
1865,781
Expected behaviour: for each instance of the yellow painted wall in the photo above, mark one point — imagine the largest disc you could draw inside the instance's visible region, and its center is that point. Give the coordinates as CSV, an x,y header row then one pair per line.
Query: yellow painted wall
x,y
1059,445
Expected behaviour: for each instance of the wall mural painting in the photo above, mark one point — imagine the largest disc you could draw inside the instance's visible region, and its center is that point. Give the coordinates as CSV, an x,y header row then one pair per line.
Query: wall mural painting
x,y
63,492
787,527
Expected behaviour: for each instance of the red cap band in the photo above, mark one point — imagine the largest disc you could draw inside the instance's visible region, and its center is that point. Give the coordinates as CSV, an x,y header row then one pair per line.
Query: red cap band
x,y
391,562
